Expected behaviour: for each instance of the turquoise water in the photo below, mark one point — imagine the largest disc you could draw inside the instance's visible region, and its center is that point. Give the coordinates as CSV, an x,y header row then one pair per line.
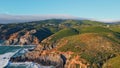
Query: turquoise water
x,y
12,49
18,66
20,50
6,49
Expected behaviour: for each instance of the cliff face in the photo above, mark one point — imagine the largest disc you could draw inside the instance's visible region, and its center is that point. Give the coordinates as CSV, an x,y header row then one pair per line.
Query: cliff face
x,y
47,53
54,58
79,51
73,44
76,62
26,39
47,59
43,55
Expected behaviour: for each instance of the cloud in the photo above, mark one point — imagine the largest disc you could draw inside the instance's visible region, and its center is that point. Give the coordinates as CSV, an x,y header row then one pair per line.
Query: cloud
x,y
5,18
109,20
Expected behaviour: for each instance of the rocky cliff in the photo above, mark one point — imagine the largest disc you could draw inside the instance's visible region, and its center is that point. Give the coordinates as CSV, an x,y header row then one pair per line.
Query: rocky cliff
x,y
78,51
22,39
64,43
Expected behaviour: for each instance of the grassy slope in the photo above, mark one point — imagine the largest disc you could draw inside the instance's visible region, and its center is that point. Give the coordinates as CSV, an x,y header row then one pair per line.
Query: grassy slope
x,y
95,43
53,39
44,28
64,33
88,22
113,63
95,29
115,28
107,32
93,47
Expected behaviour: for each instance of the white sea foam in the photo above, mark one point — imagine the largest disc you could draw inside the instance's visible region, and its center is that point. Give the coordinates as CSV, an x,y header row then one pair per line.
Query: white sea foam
x,y
26,64
4,58
24,51
29,65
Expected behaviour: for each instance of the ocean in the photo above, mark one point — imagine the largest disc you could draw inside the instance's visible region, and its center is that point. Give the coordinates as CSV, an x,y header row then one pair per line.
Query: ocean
x,y
6,52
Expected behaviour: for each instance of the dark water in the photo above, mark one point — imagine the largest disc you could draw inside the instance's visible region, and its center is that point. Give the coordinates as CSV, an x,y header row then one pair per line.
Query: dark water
x,y
6,49
17,66
12,49
21,50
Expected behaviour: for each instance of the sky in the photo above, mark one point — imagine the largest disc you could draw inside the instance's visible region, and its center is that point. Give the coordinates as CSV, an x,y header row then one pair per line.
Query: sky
x,y
96,9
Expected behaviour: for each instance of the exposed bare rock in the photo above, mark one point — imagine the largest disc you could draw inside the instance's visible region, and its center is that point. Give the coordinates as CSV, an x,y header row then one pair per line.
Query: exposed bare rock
x,y
42,58
76,62
26,39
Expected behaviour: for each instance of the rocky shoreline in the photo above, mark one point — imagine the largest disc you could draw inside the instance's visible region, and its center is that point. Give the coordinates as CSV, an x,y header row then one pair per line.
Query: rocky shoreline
x,y
57,60
51,57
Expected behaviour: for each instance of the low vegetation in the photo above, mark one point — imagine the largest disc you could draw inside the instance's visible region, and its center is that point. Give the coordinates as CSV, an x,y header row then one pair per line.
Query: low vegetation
x,y
112,63
96,42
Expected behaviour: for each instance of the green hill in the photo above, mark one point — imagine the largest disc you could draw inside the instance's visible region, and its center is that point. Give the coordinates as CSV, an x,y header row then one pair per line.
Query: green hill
x,y
51,41
95,29
107,32
80,42
64,33
94,23
93,47
112,63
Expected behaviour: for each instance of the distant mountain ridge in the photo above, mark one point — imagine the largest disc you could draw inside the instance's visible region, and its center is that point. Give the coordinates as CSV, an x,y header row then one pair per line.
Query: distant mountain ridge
x,y
6,18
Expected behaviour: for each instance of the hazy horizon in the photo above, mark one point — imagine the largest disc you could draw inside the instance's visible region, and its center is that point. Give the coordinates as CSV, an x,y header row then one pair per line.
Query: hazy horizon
x,y
98,9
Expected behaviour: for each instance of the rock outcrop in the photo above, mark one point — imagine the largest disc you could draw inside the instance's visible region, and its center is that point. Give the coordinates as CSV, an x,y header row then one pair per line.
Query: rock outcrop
x,y
22,39
42,58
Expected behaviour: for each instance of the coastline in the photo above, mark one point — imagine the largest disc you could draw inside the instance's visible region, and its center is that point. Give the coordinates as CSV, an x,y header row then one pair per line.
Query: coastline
x,y
5,58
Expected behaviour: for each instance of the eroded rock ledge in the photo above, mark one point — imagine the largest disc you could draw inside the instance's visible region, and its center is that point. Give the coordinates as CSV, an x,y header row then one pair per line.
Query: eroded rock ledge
x,y
53,58
56,60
